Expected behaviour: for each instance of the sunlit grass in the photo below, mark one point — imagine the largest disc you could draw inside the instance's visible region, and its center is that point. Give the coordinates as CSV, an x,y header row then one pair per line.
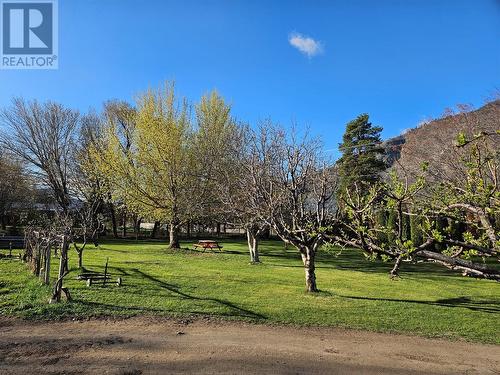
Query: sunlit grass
x,y
428,300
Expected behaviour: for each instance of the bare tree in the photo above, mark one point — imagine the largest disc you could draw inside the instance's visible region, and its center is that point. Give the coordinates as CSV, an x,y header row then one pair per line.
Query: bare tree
x,y
89,187
42,135
241,175
40,242
88,221
297,189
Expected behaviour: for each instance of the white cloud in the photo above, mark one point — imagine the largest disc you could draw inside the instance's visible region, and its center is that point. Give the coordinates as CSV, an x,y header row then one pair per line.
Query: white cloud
x,y
307,45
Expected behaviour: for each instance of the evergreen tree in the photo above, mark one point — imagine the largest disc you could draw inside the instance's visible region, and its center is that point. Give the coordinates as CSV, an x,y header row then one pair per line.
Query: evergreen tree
x,y
362,154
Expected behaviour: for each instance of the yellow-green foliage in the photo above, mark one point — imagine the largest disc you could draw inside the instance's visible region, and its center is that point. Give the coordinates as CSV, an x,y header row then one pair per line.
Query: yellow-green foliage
x,y
158,166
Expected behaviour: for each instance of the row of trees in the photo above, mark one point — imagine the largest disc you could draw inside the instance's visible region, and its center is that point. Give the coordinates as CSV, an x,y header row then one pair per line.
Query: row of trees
x,y
167,161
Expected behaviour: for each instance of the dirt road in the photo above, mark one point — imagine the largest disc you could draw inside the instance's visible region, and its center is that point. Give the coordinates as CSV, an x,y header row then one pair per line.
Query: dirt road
x,y
161,346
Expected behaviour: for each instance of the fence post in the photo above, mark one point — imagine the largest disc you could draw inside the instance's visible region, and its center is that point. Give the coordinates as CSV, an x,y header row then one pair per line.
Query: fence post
x,y
62,265
46,279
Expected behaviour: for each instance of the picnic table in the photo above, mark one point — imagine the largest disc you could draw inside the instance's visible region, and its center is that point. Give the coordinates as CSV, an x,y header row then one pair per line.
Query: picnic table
x,y
207,244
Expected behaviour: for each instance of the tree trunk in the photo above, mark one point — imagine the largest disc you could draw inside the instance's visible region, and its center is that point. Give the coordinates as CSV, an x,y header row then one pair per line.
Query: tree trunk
x,y
137,227
218,229
395,270
63,270
155,229
80,258
174,236
48,253
253,246
188,229
79,252
308,256
124,231
400,222
113,220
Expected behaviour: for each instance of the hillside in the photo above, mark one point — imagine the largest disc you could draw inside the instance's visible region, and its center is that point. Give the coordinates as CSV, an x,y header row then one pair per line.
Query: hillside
x,y
433,142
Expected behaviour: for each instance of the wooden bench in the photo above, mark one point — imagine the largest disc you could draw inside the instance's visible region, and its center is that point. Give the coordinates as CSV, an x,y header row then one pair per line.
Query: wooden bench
x,y
90,276
207,244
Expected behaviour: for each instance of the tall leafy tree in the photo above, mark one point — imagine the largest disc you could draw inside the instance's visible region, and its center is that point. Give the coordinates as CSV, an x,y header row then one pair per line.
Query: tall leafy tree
x,y
122,115
161,167
151,165
213,142
362,153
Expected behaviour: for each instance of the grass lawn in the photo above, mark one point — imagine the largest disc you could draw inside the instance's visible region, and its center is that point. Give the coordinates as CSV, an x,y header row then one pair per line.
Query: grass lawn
x,y
355,293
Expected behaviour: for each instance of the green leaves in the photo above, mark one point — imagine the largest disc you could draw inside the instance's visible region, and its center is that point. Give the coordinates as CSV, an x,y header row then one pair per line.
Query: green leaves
x,y
436,234
157,160
461,139
362,154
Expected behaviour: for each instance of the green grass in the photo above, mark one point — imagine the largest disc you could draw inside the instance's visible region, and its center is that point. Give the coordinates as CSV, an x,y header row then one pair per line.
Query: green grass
x,y
355,293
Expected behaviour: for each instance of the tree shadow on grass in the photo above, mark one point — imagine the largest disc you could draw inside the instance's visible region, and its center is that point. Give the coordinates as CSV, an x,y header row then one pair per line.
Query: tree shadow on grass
x,y
105,308
489,306
106,248
153,262
121,271
353,260
356,262
422,269
237,311
300,265
116,308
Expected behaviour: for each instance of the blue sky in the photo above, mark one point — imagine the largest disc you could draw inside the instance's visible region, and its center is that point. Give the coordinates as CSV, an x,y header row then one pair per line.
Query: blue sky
x,y
400,61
